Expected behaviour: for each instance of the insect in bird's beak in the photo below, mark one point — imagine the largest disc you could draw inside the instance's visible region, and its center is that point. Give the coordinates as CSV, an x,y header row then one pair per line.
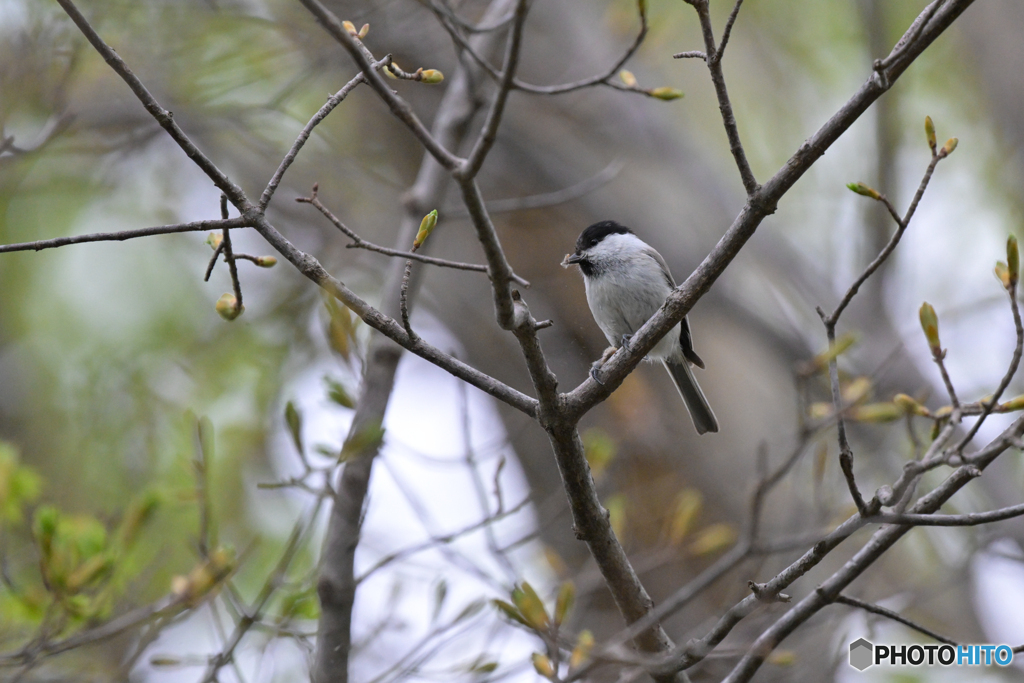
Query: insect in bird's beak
x,y
570,259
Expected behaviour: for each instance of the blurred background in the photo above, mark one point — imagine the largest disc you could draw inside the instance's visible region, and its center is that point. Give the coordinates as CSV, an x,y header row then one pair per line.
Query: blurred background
x,y
108,351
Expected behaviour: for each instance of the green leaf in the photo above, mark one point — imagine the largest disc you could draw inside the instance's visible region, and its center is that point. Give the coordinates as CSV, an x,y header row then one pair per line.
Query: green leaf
x,y
294,420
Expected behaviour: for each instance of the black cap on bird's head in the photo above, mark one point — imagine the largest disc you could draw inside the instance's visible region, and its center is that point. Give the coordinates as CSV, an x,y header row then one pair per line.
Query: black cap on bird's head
x,y
591,237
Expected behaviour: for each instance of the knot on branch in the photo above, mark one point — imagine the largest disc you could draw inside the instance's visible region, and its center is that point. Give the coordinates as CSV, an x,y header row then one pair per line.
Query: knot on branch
x,y
764,593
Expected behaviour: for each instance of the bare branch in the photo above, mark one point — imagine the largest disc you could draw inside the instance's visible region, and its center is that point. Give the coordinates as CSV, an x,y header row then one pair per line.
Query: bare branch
x,y
1018,349
888,613
760,204
546,199
969,519
489,132
728,30
880,542
399,107
162,116
604,78
229,255
333,102
121,236
714,62
360,243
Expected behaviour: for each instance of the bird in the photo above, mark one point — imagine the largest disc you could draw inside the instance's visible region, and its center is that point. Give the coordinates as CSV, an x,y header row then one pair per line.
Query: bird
x,y
627,281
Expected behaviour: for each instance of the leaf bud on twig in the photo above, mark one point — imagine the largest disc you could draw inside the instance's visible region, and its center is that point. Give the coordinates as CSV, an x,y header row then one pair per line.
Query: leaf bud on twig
x,y
929,131
431,76
948,148
930,325
426,227
665,93
628,78
864,190
227,307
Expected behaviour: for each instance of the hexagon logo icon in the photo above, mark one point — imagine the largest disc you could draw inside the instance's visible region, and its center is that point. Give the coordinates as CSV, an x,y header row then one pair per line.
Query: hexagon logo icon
x,y
861,654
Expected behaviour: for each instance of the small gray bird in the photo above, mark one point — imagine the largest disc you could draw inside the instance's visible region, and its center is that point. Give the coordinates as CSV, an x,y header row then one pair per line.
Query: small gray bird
x,y
627,281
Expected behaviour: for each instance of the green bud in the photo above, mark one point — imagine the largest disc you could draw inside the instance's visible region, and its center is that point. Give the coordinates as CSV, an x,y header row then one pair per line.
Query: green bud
x,y
509,611
530,606
431,76
566,596
266,261
1002,274
214,239
665,93
863,190
363,31
543,665
948,148
876,412
929,131
350,27
930,325
628,78
426,227
227,307
584,644
1013,404
910,406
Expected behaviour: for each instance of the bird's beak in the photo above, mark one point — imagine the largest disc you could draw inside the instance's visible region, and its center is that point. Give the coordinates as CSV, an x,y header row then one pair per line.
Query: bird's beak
x,y
570,259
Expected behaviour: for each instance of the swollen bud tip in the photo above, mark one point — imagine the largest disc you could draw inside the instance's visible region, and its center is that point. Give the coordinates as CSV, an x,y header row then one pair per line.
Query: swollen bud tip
x,y
665,93
929,131
628,78
431,76
426,227
950,145
863,190
227,307
930,325
266,261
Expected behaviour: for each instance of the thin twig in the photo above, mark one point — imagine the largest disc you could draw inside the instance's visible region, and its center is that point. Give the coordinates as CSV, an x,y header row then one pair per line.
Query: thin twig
x,y
399,107
969,519
229,255
162,116
714,62
1018,349
888,613
360,243
213,260
605,78
547,199
728,29
333,102
122,235
845,451
404,299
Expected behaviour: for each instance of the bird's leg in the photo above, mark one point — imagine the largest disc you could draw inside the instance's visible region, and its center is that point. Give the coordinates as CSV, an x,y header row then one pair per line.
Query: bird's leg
x,y
599,363
625,341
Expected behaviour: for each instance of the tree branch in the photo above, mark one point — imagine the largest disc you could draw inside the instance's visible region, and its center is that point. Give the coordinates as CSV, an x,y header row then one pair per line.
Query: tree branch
x,y
399,107
888,613
121,236
359,243
758,206
162,116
